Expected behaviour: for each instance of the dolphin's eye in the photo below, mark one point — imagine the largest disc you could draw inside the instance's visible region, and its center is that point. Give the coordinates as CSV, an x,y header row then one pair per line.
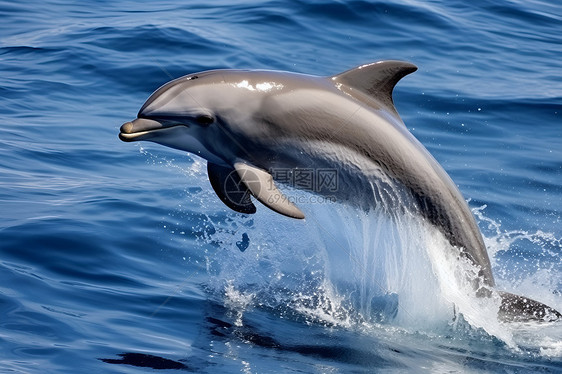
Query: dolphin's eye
x,y
204,120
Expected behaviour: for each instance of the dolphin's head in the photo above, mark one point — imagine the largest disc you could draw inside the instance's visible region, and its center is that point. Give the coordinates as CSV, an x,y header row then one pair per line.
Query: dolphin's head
x,y
181,114
204,114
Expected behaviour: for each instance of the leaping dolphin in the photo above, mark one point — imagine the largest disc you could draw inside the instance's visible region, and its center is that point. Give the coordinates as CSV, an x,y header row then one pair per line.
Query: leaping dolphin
x,y
248,123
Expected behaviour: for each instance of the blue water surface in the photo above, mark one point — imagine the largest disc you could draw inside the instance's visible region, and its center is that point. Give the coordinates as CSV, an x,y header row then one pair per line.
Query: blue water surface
x,y
119,258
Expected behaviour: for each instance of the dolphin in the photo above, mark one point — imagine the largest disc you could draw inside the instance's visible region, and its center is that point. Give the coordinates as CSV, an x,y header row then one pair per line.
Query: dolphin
x,y
248,124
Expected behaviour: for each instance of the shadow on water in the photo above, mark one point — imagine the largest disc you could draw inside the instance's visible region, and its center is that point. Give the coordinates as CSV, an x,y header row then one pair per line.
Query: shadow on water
x,y
222,327
322,344
146,361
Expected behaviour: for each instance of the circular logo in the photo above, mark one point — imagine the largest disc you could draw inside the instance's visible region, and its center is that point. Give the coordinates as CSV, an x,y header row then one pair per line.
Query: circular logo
x,y
238,191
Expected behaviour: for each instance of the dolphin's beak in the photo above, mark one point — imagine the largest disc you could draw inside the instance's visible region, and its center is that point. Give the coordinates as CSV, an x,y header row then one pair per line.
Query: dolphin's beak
x,y
138,129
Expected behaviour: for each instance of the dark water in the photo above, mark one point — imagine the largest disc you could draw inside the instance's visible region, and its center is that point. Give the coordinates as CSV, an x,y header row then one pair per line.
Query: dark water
x,y
118,257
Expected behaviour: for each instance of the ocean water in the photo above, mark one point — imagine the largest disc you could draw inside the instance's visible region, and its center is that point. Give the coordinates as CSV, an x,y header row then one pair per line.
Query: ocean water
x,y
119,258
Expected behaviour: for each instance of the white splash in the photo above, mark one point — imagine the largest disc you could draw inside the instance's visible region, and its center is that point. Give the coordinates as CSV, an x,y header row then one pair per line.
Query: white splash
x,y
344,267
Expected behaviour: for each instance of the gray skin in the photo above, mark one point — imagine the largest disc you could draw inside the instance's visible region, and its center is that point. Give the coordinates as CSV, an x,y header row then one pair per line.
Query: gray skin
x,y
246,123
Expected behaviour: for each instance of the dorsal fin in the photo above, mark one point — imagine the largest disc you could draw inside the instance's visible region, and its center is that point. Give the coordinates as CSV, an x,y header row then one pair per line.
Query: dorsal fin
x,y
376,79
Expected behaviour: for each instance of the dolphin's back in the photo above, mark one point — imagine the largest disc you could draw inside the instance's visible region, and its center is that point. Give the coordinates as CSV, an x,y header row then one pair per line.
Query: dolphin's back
x,y
357,114
436,195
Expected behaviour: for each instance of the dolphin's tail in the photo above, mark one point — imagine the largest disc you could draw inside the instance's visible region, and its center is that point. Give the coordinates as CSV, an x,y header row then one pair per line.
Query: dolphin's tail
x,y
516,308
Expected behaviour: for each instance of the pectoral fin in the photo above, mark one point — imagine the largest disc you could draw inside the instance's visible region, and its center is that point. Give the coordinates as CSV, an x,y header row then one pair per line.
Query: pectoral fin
x,y
516,308
230,189
261,185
